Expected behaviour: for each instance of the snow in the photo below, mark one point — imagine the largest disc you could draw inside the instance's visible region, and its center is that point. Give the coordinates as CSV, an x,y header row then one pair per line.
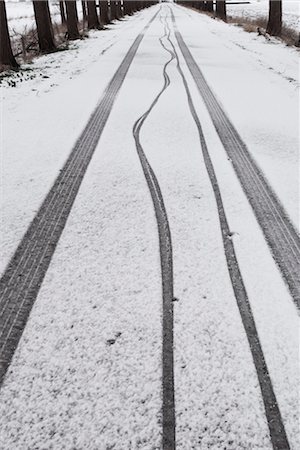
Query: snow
x,y
261,79
268,294
212,388
41,102
21,15
87,371
260,8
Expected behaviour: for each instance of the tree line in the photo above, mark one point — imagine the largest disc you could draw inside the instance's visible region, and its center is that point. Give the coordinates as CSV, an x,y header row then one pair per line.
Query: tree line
x,y
218,7
96,14
99,13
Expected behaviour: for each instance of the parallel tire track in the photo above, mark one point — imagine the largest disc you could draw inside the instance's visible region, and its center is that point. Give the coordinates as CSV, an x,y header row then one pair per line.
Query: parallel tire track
x,y
21,281
166,258
280,234
276,427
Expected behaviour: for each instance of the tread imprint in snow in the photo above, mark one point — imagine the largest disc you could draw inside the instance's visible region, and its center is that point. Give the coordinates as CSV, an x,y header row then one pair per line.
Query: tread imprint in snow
x,y
166,259
21,281
280,234
276,427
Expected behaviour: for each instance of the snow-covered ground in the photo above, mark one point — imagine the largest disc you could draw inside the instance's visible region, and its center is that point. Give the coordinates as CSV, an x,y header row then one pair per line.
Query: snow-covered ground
x,y
260,8
67,387
21,15
257,82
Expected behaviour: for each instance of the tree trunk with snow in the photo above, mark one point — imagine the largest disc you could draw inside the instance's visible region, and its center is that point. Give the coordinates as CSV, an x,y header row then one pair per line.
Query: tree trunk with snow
x,y
7,60
72,23
221,9
92,16
44,26
274,26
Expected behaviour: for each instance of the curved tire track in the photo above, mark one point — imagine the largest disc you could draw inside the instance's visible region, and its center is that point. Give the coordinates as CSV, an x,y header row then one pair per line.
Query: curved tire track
x,y
21,281
276,427
166,259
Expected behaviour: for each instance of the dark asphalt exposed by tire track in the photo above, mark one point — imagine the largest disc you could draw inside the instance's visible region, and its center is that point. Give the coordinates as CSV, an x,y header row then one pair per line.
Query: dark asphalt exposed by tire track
x,y
166,258
276,427
21,281
280,234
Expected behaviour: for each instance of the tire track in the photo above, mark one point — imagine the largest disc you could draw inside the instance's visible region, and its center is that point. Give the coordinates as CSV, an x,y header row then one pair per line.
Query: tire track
x,y
276,427
21,281
280,234
166,259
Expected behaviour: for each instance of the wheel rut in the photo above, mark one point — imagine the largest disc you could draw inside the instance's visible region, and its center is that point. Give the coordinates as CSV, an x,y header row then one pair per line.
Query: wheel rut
x,y
21,281
24,275
275,423
280,234
166,260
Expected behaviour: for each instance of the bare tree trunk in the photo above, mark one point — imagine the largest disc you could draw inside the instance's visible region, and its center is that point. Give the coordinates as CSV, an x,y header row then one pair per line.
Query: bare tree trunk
x,y
76,12
210,6
104,12
113,10
131,6
127,9
119,9
44,26
99,13
62,12
221,9
84,14
135,6
274,26
71,9
7,60
93,20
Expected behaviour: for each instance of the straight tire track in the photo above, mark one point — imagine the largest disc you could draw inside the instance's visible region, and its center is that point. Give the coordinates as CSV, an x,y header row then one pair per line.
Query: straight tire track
x,y
275,423
21,281
166,259
280,234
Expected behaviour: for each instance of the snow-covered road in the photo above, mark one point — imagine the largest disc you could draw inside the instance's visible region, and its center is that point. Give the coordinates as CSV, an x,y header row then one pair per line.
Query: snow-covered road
x,y
89,369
